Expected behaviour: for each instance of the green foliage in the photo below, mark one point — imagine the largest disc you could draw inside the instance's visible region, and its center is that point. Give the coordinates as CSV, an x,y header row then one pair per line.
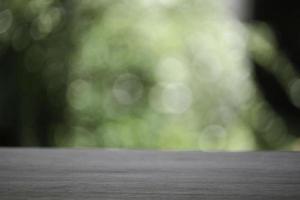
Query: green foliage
x,y
139,73
156,74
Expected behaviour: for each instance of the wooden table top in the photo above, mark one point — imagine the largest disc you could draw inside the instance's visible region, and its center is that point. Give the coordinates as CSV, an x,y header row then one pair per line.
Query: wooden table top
x,y
165,175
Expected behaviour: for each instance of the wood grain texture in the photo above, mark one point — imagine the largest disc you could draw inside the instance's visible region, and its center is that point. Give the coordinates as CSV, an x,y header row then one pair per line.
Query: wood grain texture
x,y
119,174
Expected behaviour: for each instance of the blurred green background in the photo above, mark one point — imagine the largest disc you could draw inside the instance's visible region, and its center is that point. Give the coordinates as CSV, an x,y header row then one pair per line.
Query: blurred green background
x,y
162,74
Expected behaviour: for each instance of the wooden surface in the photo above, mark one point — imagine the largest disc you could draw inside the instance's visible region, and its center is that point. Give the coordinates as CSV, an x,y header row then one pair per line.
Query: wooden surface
x,y
115,174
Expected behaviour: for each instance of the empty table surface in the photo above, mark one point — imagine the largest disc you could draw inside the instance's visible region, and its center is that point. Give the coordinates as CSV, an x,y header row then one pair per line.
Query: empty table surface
x,y
126,174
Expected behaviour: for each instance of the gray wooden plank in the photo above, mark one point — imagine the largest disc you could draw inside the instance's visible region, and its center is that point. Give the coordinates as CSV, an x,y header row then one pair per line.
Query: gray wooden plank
x,y
124,174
